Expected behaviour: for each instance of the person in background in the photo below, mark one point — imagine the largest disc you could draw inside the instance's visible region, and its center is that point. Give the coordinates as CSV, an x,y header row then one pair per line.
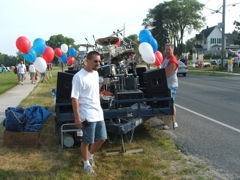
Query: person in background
x,y
21,69
32,72
88,113
230,64
184,60
131,62
49,66
43,76
170,64
27,68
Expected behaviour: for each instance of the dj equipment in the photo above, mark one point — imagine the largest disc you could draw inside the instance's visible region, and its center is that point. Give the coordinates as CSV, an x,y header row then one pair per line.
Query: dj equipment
x,y
107,70
132,96
128,95
107,41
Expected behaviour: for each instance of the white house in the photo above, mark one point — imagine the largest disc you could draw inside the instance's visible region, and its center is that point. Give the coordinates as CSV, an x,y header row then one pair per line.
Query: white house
x,y
209,41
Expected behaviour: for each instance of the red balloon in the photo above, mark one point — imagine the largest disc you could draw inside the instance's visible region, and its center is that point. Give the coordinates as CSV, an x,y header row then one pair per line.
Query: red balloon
x,y
159,58
70,60
58,52
48,54
118,43
23,44
157,63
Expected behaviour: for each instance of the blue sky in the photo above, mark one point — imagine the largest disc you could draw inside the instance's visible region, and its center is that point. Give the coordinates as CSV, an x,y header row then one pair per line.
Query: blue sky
x,y
83,19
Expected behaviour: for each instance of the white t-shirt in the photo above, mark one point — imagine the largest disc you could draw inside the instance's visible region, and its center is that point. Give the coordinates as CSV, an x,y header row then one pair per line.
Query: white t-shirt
x,y
85,88
171,80
21,68
32,68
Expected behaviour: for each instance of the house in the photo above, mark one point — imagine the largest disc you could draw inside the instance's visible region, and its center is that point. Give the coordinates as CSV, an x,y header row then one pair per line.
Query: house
x,y
209,41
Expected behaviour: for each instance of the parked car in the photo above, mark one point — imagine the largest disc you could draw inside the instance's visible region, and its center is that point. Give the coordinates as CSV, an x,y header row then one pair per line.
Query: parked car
x,y
225,62
184,61
182,68
214,62
206,64
236,62
218,62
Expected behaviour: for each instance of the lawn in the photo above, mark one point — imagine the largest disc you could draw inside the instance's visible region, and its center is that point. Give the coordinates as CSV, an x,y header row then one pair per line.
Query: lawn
x,y
161,158
8,81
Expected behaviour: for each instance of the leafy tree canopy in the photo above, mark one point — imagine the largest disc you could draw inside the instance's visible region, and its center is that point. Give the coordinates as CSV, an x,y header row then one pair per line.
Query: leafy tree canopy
x,y
169,21
237,27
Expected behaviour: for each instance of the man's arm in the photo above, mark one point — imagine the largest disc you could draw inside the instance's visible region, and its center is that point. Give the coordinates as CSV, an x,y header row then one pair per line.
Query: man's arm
x,y
75,105
170,69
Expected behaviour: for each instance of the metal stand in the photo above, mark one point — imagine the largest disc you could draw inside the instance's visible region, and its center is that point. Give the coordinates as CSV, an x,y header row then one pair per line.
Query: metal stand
x,y
123,130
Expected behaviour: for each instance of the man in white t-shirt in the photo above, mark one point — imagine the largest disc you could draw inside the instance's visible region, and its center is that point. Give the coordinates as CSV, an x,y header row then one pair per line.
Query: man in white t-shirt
x,y
88,113
21,70
32,72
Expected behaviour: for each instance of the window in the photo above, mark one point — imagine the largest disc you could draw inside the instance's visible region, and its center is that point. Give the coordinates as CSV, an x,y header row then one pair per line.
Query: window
x,y
214,40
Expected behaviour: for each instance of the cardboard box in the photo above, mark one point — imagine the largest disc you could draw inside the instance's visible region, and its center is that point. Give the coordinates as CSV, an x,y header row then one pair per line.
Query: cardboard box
x,y
27,139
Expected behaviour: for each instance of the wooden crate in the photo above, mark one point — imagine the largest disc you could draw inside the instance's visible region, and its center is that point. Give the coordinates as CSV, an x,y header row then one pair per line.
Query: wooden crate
x,y
27,139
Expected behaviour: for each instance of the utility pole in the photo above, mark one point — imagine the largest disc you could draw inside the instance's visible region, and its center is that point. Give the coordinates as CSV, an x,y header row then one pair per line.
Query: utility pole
x,y
223,33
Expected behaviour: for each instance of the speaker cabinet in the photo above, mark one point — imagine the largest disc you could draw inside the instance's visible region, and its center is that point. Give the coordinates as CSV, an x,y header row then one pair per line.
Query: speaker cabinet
x,y
64,87
155,81
140,71
128,95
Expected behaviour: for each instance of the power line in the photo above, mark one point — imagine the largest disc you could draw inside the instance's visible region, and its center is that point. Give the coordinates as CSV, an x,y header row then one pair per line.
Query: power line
x,y
218,10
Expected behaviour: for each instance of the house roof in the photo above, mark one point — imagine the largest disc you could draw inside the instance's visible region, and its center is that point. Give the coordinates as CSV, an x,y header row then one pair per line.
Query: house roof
x,y
204,33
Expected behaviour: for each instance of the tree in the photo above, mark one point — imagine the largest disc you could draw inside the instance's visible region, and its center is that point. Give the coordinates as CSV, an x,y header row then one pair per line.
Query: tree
x,y
8,60
132,41
237,27
170,20
190,44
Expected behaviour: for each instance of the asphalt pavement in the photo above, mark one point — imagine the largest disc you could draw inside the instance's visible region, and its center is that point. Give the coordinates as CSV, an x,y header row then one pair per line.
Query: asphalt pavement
x,y
14,96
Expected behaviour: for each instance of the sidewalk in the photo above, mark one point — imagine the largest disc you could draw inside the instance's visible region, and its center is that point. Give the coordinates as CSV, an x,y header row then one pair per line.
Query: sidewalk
x,y
14,96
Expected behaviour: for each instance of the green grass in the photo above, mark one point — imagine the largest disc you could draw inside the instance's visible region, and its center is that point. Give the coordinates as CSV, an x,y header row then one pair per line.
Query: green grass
x,y
161,158
7,81
212,71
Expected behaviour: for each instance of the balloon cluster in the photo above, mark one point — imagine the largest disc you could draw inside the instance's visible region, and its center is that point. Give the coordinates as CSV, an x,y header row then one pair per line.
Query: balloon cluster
x,y
148,48
62,54
30,53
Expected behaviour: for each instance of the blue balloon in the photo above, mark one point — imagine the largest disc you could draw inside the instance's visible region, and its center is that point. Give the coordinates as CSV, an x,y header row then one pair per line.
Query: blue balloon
x,y
39,45
154,44
72,52
145,35
63,58
31,56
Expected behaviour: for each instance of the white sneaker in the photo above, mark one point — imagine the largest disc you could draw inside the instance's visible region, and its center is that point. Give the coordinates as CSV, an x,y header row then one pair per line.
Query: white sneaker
x,y
166,127
175,125
92,163
89,170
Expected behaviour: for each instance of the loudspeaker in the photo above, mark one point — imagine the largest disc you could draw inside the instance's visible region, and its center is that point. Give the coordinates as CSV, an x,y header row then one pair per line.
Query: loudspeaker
x,y
140,71
127,95
64,87
71,71
155,81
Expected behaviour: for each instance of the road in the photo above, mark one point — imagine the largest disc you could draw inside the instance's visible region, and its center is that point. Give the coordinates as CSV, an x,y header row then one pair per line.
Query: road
x,y
208,114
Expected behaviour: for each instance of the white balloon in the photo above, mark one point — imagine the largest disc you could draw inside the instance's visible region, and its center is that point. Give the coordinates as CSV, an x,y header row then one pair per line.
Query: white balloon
x,y
64,48
149,60
146,52
40,64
